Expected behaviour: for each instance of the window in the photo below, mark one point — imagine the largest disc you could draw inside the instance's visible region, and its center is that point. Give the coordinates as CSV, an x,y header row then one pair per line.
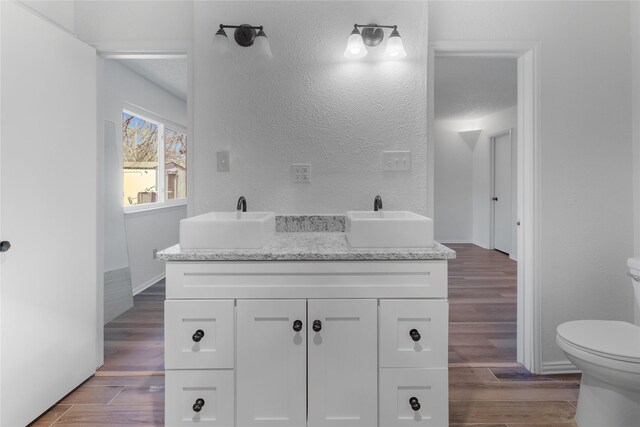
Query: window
x,y
155,160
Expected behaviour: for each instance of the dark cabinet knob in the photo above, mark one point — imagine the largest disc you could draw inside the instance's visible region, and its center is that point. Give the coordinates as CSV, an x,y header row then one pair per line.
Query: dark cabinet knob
x,y
495,199
197,407
415,335
317,326
415,405
5,245
198,335
297,325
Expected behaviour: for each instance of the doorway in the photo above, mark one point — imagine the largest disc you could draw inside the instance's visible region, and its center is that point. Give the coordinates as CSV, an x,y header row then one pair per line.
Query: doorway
x,y
475,108
144,105
527,141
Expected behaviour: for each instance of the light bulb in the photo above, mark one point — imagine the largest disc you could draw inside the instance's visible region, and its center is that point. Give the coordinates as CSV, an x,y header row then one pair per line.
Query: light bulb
x,y
261,43
395,48
221,41
355,45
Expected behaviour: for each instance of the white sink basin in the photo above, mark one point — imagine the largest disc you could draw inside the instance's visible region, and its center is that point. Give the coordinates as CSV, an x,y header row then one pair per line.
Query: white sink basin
x,y
388,229
227,230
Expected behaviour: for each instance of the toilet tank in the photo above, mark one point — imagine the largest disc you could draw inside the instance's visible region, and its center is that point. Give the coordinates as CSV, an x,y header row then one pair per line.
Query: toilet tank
x,y
634,271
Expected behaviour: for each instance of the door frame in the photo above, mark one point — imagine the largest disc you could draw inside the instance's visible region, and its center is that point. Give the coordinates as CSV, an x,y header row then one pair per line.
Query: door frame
x,y
527,54
492,180
135,50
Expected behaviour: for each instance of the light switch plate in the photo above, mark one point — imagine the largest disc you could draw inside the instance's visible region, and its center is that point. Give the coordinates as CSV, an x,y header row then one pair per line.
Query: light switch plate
x,y
301,174
396,160
223,161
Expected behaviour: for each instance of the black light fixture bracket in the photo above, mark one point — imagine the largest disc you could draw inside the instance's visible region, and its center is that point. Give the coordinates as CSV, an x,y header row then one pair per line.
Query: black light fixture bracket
x,y
244,34
372,34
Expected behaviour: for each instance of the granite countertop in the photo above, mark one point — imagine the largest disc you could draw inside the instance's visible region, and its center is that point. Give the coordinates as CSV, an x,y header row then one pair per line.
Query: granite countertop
x,y
308,246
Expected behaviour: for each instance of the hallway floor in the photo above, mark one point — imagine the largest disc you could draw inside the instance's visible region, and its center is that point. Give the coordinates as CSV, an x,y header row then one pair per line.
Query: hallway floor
x,y
486,386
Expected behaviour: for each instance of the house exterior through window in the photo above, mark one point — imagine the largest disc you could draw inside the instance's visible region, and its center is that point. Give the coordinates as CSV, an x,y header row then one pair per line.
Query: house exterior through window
x,y
154,160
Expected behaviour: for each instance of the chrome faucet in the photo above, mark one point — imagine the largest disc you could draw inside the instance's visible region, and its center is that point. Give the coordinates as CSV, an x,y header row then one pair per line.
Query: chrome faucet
x,y
377,204
242,204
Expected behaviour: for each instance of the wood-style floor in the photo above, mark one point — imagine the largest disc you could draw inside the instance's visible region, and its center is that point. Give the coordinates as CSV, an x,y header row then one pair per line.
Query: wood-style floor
x,y
486,387
482,306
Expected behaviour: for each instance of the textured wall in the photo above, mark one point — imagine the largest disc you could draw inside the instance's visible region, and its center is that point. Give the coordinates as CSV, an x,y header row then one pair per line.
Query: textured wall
x,y
309,104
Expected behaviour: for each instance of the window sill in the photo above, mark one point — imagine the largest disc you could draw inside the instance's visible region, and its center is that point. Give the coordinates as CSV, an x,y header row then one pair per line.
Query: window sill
x,y
153,207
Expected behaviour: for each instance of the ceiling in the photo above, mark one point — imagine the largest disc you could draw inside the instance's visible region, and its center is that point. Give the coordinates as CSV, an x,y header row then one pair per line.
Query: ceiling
x,y
472,88
169,74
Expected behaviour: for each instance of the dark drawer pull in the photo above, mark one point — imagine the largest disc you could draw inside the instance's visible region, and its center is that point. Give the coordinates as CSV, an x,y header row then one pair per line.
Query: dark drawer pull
x,y
197,407
5,245
198,335
415,405
297,325
317,326
415,335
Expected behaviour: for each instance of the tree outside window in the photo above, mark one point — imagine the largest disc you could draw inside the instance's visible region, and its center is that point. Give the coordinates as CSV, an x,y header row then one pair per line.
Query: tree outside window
x,y
155,161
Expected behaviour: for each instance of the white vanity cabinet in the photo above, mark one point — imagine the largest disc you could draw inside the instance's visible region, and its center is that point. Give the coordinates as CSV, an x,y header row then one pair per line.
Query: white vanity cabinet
x,y
306,343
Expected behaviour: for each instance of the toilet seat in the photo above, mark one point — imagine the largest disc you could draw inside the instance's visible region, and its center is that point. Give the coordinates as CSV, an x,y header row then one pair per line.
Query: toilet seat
x,y
605,338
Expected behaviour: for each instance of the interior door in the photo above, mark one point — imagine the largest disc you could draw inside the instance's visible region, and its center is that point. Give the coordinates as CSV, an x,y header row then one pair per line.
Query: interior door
x,y
48,182
343,366
271,363
502,221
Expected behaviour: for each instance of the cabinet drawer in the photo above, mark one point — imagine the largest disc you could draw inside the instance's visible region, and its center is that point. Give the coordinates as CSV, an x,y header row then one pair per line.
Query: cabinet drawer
x,y
199,334
414,333
184,389
398,388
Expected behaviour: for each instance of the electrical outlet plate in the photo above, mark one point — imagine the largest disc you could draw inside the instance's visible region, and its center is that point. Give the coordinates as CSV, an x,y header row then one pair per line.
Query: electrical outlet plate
x,y
223,161
396,160
300,174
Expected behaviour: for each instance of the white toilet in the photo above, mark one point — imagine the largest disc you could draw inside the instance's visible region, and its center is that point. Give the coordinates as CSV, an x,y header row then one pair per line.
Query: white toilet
x,y
608,354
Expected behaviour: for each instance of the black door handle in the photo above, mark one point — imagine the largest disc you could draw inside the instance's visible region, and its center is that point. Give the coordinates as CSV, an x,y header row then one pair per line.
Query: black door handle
x,y
297,325
415,405
495,199
317,326
5,245
415,335
197,407
198,335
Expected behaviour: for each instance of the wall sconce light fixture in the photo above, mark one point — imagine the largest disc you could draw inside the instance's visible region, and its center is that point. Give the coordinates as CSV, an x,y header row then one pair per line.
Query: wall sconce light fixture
x,y
245,35
372,35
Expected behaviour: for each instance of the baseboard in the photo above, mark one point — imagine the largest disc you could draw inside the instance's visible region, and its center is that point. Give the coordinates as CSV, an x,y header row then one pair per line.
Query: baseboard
x,y
117,267
560,367
483,246
148,284
445,241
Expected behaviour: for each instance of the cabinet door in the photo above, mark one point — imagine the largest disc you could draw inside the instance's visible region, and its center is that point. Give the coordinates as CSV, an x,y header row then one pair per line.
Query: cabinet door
x,y
343,368
271,363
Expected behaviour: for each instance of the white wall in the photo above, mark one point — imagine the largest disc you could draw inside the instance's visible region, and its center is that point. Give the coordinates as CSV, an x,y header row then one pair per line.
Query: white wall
x,y
463,179
635,121
453,203
60,13
150,230
146,231
309,105
586,167
133,21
